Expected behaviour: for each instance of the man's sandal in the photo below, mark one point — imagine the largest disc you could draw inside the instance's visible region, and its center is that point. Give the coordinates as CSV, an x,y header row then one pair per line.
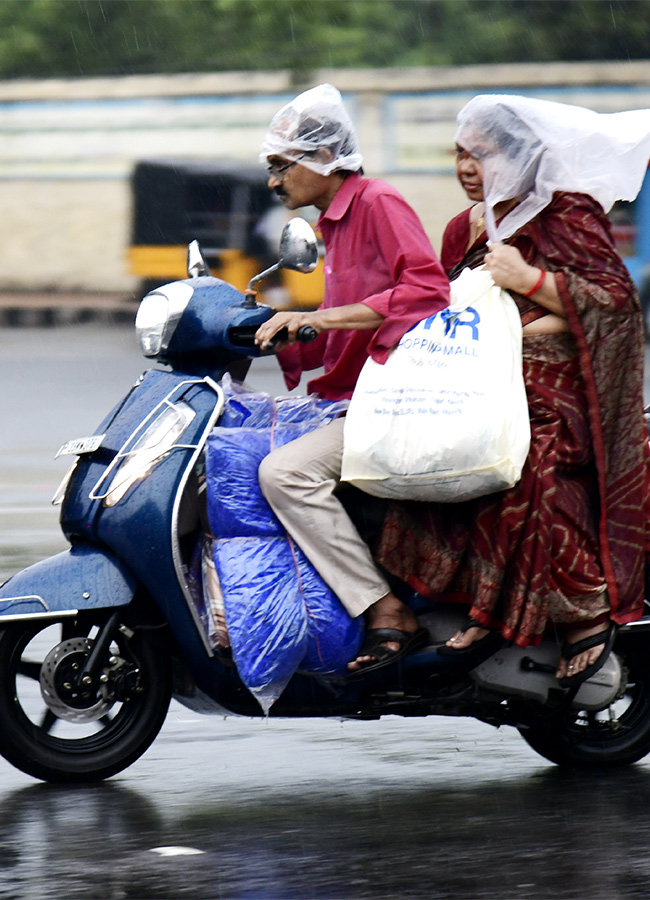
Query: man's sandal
x,y
373,645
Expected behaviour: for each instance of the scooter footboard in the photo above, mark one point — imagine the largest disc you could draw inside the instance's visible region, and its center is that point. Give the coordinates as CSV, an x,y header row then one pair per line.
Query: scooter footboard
x,y
83,577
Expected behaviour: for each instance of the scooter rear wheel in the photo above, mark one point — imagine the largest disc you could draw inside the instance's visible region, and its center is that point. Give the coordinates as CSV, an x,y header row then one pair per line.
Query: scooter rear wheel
x,y
613,737
55,731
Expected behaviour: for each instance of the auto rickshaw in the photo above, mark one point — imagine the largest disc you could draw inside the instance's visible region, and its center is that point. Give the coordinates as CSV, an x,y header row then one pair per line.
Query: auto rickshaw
x,y
229,210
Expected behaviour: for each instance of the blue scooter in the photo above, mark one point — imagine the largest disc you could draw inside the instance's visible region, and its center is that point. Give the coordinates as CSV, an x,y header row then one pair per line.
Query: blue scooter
x,y
96,640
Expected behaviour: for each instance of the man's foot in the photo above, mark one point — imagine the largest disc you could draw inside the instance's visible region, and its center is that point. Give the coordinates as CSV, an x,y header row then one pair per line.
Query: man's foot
x,y
385,646
387,613
585,648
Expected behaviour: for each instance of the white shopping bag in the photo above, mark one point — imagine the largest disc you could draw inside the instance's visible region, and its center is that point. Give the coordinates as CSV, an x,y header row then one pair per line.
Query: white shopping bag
x,y
446,417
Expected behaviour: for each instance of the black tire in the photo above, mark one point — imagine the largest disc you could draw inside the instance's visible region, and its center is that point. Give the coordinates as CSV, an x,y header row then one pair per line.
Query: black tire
x,y
584,740
36,735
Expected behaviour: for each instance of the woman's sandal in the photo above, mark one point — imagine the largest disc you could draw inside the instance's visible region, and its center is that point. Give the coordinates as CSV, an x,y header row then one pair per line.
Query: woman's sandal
x,y
484,647
570,651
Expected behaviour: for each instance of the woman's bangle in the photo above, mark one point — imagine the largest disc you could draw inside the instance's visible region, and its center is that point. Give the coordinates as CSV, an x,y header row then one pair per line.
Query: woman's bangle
x,y
540,281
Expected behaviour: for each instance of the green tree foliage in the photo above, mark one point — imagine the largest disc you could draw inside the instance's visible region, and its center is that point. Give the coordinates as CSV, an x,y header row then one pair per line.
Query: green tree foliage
x,y
67,38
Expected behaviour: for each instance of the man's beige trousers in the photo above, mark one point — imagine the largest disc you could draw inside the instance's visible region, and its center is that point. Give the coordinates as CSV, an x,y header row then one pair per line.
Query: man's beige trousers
x,y
299,480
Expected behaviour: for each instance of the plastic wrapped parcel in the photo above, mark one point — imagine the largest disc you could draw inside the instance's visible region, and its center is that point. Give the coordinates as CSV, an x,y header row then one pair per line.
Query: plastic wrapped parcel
x,y
281,615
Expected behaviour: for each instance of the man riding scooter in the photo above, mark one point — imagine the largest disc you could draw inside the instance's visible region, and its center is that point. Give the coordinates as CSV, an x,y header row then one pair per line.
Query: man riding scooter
x,y
381,277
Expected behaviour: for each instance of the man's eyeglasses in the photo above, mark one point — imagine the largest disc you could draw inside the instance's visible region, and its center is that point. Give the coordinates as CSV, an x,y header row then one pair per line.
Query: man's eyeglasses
x,y
279,171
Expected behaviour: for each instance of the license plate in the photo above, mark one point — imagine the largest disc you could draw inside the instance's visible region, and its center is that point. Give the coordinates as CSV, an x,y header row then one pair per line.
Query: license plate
x,y
81,445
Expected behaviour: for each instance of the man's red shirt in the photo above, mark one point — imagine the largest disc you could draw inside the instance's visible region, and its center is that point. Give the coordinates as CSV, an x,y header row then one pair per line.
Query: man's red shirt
x,y
377,253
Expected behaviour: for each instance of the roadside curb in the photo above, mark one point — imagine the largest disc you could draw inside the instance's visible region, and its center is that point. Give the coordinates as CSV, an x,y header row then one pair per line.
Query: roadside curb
x,y
47,309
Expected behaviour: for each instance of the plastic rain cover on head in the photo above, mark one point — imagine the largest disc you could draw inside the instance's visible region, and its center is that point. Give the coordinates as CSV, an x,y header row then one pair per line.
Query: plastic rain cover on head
x,y
315,130
531,148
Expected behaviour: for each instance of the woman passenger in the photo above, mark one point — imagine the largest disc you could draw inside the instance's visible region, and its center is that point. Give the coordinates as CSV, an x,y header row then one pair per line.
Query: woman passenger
x,y
567,544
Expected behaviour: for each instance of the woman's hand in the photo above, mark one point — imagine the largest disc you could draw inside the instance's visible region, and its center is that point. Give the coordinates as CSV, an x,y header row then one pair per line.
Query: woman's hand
x,y
509,269
292,321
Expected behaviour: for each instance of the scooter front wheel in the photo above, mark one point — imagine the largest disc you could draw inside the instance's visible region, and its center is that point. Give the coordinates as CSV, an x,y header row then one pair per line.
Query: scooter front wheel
x,y
58,727
616,736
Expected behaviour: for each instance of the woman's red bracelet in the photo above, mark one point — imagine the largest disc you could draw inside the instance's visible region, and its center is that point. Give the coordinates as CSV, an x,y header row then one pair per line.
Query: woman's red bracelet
x,y
540,281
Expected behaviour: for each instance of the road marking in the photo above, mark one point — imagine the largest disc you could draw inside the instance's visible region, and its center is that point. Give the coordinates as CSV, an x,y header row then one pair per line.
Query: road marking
x,y
176,851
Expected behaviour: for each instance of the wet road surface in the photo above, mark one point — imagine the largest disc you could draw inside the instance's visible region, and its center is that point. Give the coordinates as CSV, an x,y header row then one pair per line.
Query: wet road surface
x,y
247,809
244,808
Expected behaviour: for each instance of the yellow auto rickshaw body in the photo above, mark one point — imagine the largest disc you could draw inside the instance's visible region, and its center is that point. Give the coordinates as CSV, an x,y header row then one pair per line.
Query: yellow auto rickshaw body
x,y
229,210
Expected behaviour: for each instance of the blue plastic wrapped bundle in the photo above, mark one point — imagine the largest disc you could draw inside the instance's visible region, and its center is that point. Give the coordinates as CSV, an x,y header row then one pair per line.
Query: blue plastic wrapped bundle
x,y
233,458
333,636
281,615
256,409
264,611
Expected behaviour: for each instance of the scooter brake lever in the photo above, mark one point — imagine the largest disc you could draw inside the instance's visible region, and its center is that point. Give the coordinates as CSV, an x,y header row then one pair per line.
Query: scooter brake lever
x,y
305,335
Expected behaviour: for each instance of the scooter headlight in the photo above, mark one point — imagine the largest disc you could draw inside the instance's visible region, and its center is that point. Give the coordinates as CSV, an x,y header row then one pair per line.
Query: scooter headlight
x,y
159,314
154,443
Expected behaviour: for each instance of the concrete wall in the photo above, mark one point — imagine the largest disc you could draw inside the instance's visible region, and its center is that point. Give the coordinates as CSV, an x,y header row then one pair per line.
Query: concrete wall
x,y
67,147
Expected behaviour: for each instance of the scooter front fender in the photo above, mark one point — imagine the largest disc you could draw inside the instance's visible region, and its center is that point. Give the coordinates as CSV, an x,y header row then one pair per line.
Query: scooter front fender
x,y
83,577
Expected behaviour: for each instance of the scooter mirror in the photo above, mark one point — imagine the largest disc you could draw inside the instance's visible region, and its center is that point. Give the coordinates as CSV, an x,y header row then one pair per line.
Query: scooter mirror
x,y
298,251
196,265
298,246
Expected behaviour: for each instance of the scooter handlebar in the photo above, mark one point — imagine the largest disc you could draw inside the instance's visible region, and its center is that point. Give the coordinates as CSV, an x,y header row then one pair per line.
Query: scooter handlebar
x,y
244,336
306,334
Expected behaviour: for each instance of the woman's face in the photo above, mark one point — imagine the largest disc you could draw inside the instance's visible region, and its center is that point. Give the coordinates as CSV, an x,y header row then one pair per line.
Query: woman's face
x,y
469,170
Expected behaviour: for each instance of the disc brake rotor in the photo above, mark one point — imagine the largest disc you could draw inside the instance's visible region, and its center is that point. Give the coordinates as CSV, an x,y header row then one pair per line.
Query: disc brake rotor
x,y
58,683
